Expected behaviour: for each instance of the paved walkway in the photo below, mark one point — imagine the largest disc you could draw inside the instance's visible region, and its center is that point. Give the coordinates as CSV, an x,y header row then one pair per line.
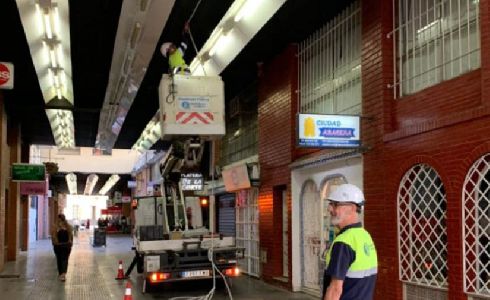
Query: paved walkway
x,y
91,273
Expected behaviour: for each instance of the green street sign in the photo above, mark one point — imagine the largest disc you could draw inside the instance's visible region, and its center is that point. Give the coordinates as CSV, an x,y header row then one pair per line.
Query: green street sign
x,y
27,172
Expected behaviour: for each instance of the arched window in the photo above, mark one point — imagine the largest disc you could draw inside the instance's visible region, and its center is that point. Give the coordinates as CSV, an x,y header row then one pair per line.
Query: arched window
x,y
476,228
422,228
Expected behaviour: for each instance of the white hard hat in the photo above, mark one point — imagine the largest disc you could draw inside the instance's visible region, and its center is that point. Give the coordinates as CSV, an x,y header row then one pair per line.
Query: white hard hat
x,y
347,193
164,48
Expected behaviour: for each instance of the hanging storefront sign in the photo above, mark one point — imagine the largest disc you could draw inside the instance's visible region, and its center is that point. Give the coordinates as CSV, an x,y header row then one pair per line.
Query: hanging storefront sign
x,y
33,188
6,75
328,131
112,210
117,197
236,178
27,172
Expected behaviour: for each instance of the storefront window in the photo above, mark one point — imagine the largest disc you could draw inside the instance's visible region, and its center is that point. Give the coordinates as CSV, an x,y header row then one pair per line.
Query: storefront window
x,y
476,228
422,228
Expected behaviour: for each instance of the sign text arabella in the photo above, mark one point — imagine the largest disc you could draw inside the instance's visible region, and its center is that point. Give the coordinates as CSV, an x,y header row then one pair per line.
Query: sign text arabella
x,y
337,131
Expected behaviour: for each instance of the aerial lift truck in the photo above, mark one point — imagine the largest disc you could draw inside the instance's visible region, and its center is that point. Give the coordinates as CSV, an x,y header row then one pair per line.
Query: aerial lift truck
x,y
174,238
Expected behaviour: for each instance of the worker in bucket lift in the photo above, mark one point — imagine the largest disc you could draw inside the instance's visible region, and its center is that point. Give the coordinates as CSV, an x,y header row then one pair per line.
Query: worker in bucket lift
x,y
175,55
351,261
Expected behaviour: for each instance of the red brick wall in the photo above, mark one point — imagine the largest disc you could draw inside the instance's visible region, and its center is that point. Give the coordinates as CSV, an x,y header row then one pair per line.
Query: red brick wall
x,y
377,70
276,125
446,126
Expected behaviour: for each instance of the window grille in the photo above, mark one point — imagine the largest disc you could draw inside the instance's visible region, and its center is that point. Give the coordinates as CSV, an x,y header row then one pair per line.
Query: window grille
x,y
330,66
247,230
476,228
435,40
422,228
240,143
241,138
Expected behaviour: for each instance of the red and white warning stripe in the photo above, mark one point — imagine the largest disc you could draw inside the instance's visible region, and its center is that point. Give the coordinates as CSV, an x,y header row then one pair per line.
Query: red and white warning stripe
x,y
194,118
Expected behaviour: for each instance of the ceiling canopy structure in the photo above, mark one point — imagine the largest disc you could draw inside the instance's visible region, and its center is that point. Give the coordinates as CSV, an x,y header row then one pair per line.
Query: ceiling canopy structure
x,y
111,64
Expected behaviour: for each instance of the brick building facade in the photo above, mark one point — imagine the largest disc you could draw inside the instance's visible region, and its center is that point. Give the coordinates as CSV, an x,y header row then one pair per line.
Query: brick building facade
x,y
445,126
276,119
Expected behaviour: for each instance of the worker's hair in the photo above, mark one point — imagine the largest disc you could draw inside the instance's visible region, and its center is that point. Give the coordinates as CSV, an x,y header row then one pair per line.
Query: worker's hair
x,y
62,217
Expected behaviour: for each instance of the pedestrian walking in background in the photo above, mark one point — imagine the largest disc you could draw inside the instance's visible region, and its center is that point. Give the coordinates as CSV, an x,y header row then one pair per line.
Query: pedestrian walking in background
x,y
351,261
76,226
62,239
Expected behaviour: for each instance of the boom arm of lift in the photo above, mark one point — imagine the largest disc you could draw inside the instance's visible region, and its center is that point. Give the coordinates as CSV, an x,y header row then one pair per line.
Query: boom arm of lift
x,y
182,156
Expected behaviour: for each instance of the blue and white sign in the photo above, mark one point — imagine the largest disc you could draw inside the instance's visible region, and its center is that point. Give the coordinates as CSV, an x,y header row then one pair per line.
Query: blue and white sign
x,y
196,103
328,131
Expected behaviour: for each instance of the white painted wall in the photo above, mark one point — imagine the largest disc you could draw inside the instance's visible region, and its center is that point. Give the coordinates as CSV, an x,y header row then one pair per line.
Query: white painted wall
x,y
85,207
351,168
120,162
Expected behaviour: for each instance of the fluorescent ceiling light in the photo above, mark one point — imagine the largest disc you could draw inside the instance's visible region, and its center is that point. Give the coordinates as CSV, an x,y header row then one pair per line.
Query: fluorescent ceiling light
x,y
247,8
47,26
220,43
71,182
109,184
90,184
54,69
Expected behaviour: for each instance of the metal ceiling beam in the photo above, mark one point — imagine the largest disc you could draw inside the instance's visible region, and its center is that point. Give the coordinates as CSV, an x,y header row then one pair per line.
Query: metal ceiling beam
x,y
47,28
140,26
239,25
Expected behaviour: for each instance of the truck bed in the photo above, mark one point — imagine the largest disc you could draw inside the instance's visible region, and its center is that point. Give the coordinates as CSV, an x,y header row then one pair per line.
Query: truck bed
x,y
178,245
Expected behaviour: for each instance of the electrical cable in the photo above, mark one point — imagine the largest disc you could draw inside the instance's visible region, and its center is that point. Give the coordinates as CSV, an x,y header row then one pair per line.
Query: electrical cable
x,y
192,38
215,269
194,11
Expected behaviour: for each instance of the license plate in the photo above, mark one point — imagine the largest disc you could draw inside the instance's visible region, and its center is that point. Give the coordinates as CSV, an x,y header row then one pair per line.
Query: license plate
x,y
199,273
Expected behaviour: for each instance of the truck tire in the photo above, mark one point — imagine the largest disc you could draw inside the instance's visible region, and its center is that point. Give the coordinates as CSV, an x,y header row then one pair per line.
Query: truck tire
x,y
140,265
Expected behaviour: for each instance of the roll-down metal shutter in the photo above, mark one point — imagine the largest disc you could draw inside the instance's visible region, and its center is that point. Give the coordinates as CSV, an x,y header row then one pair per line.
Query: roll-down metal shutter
x,y
226,215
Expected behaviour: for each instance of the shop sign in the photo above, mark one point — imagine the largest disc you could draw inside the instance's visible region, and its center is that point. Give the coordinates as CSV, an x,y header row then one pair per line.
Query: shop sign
x,y
27,172
236,178
33,188
192,182
117,197
6,75
328,131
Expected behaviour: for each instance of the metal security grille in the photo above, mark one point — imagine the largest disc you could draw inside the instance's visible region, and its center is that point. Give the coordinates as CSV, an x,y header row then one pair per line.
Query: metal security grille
x,y
239,144
330,66
247,230
476,228
241,138
415,292
435,40
226,215
422,228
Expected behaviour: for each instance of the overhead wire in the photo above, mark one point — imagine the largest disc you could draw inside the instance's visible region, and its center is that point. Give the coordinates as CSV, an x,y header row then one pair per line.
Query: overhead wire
x,y
192,37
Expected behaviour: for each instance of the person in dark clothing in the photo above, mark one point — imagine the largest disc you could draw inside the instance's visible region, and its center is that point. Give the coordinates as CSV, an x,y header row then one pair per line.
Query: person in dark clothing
x,y
62,239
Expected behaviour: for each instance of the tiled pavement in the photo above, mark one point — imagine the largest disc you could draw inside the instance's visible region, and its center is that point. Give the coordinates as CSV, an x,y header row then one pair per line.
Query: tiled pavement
x,y
91,274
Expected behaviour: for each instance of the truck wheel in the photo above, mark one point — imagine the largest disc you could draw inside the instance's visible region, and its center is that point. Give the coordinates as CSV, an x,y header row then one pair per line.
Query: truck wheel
x,y
140,265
